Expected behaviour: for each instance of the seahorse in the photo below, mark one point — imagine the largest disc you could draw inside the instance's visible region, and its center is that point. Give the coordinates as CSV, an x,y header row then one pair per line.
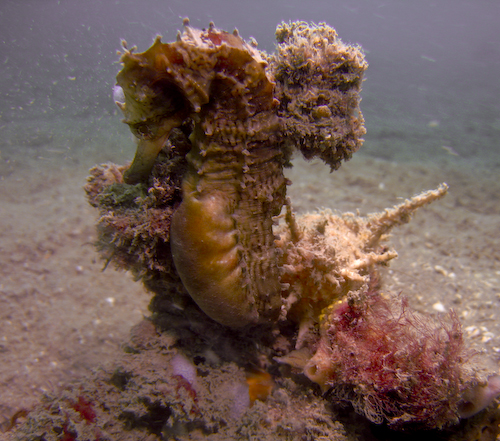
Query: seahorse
x,y
248,112
221,235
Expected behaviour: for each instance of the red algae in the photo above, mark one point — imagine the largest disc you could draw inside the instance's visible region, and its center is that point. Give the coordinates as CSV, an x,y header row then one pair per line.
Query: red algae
x,y
85,408
393,364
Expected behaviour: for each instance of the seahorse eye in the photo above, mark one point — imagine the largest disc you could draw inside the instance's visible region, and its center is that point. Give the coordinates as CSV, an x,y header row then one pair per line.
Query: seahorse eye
x,y
143,131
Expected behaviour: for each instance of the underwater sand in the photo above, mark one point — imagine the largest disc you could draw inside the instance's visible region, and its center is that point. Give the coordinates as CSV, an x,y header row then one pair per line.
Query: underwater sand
x,y
61,315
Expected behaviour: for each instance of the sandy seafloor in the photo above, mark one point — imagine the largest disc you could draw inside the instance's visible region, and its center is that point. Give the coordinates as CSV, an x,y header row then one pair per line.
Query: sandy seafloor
x,y
61,315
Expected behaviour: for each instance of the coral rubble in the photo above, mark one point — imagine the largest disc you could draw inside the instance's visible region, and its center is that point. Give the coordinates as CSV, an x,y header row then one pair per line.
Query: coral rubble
x,y
141,398
198,217
318,79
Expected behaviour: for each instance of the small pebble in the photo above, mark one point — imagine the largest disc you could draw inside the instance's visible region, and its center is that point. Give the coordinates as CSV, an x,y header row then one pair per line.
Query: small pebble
x,y
439,307
473,331
488,336
439,269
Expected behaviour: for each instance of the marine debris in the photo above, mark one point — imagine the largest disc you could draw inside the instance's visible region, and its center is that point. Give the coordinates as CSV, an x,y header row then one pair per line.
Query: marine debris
x,y
201,217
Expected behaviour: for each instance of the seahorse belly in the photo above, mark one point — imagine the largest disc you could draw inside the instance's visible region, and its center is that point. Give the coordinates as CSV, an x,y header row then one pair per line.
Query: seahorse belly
x,y
207,257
